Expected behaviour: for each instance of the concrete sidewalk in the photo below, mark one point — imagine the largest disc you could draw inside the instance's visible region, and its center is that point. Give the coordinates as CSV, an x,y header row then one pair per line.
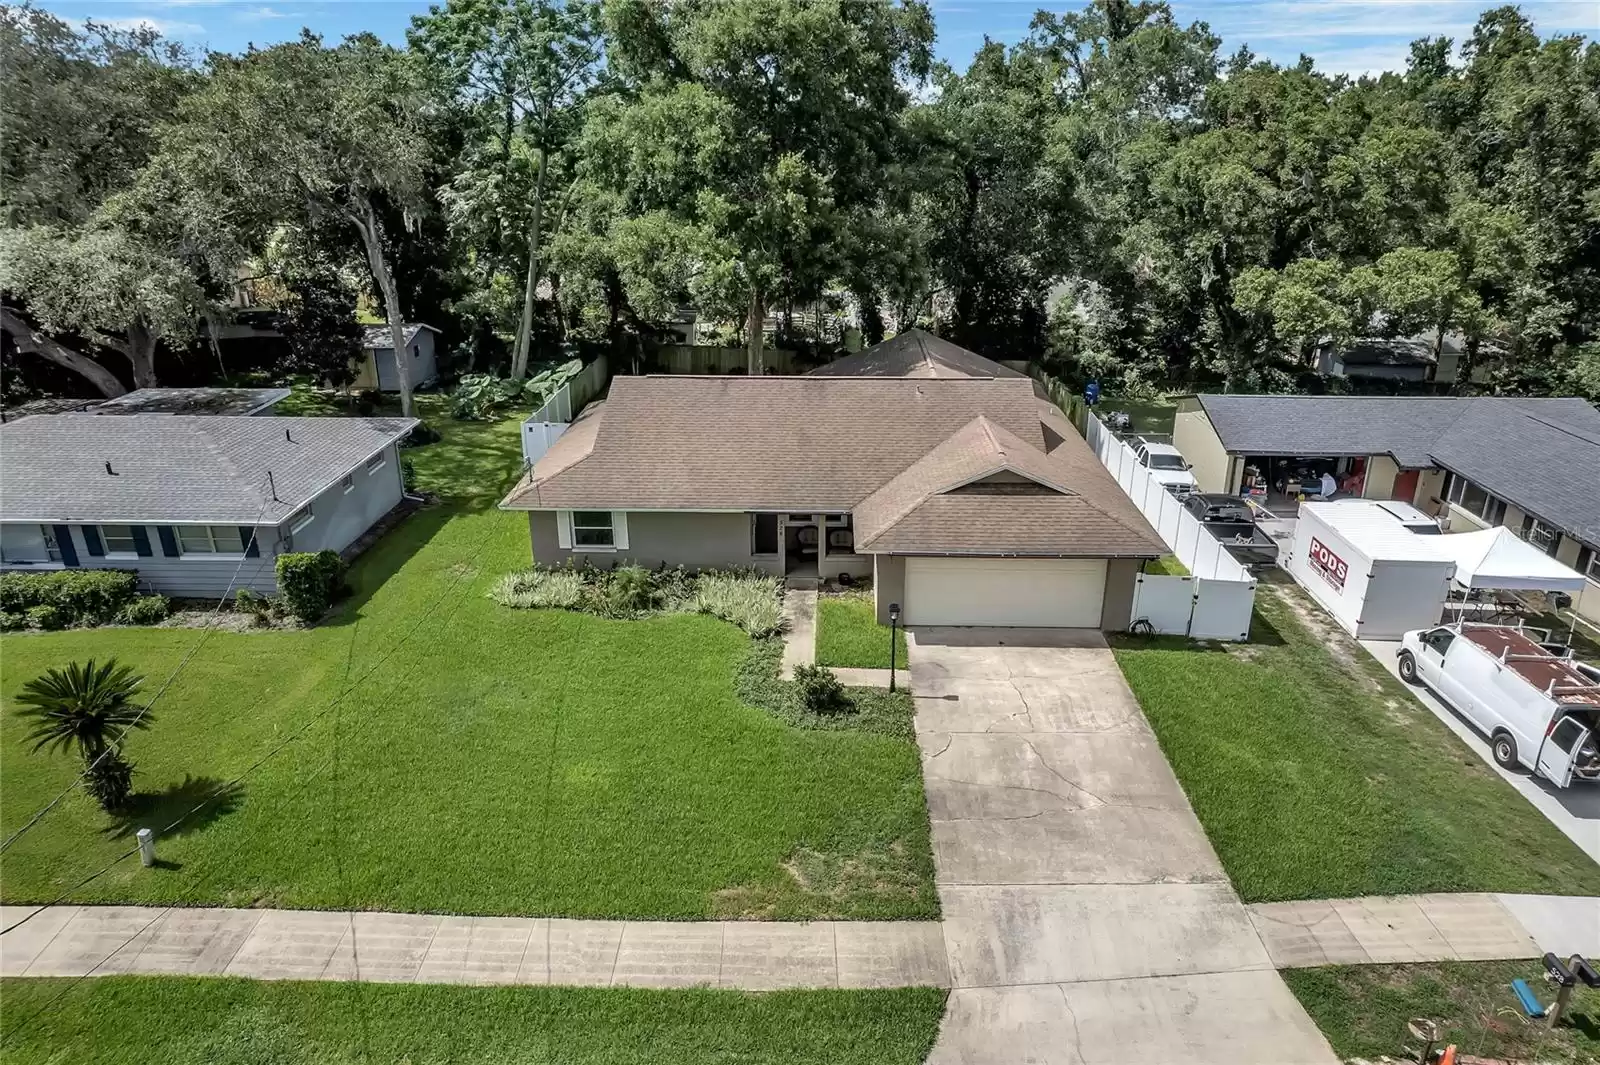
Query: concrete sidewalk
x,y
1086,916
1412,928
424,948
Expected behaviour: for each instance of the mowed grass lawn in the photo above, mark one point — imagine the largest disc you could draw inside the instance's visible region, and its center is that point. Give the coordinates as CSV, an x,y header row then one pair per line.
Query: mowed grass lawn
x,y
1363,1010
1316,775
848,634
207,1021
497,762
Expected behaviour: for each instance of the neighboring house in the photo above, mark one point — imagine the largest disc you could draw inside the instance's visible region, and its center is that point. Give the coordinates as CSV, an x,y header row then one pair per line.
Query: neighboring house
x,y
1414,358
965,499
212,401
195,504
376,368
1532,465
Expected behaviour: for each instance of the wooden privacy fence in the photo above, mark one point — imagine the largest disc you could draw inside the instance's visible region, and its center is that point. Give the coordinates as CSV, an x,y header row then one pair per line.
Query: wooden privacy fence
x,y
1216,600
705,359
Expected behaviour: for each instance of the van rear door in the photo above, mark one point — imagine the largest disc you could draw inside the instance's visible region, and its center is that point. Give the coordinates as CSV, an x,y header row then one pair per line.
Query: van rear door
x,y
1560,749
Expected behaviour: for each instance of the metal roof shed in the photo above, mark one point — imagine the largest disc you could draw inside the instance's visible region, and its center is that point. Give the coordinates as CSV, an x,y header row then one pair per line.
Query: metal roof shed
x,y
1378,579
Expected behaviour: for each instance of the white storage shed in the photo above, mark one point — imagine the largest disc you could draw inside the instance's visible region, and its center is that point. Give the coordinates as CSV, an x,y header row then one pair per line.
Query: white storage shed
x,y
1376,577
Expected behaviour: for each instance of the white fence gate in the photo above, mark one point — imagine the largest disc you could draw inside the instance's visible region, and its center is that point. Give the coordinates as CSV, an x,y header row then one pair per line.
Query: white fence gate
x,y
545,425
1215,601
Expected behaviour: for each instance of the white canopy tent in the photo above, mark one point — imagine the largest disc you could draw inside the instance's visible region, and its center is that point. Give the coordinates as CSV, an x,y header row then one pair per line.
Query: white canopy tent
x,y
1498,558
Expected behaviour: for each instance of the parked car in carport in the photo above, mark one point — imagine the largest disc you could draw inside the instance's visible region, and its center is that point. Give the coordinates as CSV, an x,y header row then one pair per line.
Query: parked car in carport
x,y
1539,710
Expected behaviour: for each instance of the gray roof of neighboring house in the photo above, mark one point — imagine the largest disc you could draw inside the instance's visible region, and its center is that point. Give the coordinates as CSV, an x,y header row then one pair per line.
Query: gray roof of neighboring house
x,y
915,353
378,338
1541,455
895,447
179,468
214,401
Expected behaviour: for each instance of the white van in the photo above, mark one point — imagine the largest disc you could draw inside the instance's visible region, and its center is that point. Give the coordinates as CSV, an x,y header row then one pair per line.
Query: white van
x,y
1537,709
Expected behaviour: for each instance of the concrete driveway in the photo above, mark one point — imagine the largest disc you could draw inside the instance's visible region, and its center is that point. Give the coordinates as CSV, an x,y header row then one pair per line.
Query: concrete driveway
x,y
1575,810
1087,918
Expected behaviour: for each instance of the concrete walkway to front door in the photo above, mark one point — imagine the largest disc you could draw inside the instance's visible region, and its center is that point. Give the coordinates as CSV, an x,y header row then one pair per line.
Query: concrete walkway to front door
x,y
1086,916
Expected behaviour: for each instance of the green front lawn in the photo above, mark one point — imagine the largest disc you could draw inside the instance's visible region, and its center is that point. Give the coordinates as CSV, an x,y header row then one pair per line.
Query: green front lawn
x,y
498,762
848,634
125,1020
1317,775
1363,1010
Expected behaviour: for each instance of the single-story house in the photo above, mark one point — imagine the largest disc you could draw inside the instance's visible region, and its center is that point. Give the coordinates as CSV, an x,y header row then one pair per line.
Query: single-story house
x,y
1532,465
216,401
1420,357
376,368
962,497
915,353
195,503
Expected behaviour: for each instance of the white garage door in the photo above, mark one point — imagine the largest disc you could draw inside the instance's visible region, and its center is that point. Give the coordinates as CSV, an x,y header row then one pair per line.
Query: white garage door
x,y
1034,592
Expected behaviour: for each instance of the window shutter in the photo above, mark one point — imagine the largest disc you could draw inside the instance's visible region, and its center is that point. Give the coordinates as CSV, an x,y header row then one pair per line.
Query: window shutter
x,y
141,540
564,529
248,536
91,540
619,529
69,550
169,540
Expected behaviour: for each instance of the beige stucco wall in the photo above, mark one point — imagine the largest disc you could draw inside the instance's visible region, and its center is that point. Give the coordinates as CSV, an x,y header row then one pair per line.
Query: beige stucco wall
x,y
1122,582
695,539
1214,469
1430,491
1587,602
1381,472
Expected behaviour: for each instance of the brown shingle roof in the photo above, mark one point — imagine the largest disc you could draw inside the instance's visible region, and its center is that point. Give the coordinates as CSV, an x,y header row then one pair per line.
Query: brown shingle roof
x,y
985,491
915,353
760,443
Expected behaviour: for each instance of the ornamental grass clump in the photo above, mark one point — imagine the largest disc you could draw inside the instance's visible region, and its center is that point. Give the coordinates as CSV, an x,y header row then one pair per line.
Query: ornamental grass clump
x,y
540,589
749,599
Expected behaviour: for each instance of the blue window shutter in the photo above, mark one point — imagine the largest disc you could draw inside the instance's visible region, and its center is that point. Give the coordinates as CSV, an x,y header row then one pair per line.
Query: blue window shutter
x,y
141,541
69,550
91,540
169,540
251,548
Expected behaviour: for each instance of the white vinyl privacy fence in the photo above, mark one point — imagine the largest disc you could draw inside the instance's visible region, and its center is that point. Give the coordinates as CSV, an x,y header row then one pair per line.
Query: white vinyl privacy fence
x,y
1215,601
546,424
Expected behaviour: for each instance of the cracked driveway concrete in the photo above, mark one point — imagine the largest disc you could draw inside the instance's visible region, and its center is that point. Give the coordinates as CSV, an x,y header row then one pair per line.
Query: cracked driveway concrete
x,y
1087,918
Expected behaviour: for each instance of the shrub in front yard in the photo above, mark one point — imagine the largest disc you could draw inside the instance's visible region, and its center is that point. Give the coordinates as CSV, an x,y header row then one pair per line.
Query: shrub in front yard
x,y
82,596
309,581
820,691
46,617
12,620
749,599
145,610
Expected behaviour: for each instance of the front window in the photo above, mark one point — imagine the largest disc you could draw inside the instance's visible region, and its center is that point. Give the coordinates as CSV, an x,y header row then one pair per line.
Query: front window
x,y
118,540
52,549
1589,563
300,519
210,540
1469,497
1165,462
592,528
1540,535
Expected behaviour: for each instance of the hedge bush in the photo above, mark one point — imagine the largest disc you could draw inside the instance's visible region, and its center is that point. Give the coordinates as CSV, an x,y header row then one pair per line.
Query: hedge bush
x,y
46,617
308,581
748,598
820,691
81,596
145,610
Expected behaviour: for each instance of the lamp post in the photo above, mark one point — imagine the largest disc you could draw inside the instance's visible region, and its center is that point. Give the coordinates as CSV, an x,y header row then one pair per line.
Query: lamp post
x,y
894,620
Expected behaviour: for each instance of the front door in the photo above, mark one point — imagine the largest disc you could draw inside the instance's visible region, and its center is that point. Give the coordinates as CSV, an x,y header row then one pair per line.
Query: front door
x,y
1560,749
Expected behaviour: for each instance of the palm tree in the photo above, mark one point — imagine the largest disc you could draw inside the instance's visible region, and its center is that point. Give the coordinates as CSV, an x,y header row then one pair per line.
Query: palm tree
x,y
90,708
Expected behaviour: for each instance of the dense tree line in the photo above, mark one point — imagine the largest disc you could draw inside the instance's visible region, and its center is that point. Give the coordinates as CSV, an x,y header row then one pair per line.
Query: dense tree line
x,y
1113,196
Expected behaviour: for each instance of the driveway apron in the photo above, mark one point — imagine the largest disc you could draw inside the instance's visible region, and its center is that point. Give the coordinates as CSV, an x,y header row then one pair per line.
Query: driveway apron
x,y
1087,918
